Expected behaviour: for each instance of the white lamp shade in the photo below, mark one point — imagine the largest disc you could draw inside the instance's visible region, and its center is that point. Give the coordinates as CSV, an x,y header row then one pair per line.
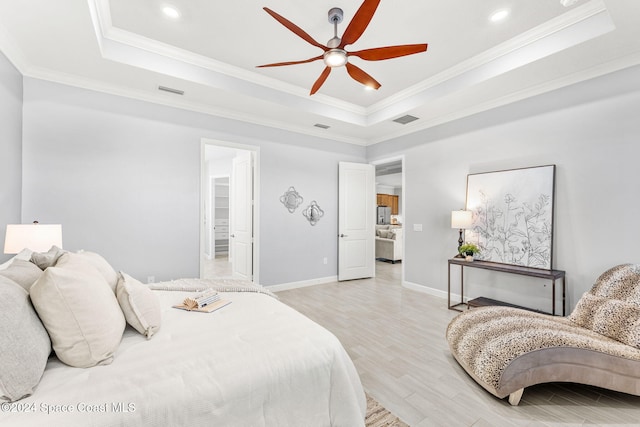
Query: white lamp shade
x,y
461,219
37,237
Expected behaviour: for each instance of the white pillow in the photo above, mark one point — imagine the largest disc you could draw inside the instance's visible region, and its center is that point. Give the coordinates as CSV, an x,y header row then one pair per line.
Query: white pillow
x,y
80,312
139,304
102,266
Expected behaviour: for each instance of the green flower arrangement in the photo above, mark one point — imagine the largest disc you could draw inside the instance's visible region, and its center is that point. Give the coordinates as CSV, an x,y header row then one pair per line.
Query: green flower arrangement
x,y
469,249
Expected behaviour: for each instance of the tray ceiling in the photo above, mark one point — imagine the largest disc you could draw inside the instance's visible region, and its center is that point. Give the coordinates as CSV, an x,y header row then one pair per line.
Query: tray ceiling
x,y
130,48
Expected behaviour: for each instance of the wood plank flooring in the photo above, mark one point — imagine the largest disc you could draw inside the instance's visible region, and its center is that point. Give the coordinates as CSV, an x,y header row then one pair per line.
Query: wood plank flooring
x,y
395,337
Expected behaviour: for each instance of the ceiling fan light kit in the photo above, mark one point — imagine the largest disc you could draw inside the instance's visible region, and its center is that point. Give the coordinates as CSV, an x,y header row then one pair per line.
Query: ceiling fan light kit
x,y
335,54
335,57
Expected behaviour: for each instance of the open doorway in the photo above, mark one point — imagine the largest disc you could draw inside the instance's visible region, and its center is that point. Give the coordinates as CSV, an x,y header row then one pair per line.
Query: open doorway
x,y
228,238
390,227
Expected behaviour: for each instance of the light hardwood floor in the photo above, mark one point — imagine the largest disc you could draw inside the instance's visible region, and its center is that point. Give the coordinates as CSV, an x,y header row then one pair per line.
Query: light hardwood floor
x,y
395,337
217,267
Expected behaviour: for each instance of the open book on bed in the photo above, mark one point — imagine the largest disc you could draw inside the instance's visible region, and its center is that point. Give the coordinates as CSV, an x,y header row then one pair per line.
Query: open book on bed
x,y
206,302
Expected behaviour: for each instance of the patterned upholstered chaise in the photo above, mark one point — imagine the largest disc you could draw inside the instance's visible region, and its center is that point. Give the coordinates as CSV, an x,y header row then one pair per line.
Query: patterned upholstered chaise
x,y
507,349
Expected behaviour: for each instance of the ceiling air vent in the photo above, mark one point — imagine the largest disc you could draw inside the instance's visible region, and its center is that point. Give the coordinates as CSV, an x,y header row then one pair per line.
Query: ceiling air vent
x,y
171,90
321,126
405,119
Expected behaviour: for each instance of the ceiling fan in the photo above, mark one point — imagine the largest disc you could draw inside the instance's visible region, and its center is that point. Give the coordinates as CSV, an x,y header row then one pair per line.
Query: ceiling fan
x,y
335,54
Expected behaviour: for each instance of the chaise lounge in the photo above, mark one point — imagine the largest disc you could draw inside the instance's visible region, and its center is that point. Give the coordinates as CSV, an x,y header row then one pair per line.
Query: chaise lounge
x,y
507,349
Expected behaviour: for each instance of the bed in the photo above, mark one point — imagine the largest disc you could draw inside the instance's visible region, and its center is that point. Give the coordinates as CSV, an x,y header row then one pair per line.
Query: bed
x,y
254,362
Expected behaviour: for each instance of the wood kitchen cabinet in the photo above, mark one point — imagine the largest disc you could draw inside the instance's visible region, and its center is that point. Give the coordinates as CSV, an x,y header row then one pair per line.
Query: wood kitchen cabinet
x,y
390,200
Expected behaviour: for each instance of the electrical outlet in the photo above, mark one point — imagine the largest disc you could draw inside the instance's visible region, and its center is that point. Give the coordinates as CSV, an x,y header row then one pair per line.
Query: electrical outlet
x,y
325,260
151,279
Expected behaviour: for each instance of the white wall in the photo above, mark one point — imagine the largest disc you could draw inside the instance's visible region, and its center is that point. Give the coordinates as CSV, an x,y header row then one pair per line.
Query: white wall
x,y
123,177
590,131
10,147
295,246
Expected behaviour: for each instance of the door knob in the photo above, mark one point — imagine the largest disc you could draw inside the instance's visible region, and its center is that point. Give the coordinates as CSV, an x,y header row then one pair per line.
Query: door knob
x,y
232,235
343,235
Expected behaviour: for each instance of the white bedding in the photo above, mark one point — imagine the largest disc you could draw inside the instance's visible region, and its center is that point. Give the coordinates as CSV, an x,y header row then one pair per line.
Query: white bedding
x,y
255,362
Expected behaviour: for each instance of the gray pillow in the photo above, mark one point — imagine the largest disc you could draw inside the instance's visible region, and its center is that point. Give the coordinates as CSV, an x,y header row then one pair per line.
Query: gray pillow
x,y
24,273
24,343
386,234
47,259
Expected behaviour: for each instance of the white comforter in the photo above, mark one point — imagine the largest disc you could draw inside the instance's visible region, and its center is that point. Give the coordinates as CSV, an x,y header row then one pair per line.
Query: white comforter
x,y
255,362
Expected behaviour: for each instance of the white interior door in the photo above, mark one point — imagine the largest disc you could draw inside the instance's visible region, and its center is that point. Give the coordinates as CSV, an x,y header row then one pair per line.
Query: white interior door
x,y
241,217
356,215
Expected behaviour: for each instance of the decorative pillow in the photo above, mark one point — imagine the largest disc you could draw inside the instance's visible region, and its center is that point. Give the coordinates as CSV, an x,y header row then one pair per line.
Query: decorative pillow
x,y
47,259
102,266
24,343
139,304
24,255
609,317
24,273
80,312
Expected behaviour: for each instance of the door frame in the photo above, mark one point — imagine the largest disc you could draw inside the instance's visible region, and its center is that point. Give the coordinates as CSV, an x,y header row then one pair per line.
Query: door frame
x,y
204,142
400,157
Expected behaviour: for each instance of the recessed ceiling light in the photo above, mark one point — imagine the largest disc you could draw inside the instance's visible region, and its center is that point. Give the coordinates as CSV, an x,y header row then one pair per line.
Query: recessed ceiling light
x,y
499,15
171,12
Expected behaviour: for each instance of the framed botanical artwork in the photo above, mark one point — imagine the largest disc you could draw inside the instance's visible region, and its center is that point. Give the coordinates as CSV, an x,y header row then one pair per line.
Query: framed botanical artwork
x,y
513,215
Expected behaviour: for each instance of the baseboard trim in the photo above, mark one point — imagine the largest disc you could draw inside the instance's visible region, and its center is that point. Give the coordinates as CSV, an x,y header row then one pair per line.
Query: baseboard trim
x,y
430,291
302,284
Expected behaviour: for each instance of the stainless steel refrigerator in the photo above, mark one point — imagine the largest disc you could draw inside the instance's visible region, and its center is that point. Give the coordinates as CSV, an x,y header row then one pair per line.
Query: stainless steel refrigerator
x,y
384,215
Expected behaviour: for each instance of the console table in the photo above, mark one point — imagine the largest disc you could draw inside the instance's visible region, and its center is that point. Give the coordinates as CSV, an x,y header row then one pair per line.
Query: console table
x,y
552,275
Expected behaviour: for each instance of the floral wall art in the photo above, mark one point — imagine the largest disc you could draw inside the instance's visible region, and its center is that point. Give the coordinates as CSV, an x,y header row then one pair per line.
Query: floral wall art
x,y
513,215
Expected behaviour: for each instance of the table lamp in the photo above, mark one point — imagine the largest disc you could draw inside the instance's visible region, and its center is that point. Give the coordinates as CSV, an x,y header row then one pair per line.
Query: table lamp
x,y
461,220
37,237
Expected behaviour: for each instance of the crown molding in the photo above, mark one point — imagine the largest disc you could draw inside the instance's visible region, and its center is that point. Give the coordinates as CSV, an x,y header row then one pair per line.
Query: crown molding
x,y
572,78
551,27
9,47
536,44
107,30
165,100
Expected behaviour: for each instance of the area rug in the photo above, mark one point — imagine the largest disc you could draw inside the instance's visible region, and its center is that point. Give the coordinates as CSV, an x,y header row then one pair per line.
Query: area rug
x,y
379,416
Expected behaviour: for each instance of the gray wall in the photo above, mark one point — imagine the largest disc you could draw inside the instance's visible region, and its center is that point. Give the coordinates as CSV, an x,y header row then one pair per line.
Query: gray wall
x,y
590,131
10,147
123,177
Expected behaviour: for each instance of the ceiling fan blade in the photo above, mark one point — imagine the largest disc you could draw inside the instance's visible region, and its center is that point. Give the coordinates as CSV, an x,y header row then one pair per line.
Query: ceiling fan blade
x,y
362,77
280,64
380,53
320,80
295,29
359,22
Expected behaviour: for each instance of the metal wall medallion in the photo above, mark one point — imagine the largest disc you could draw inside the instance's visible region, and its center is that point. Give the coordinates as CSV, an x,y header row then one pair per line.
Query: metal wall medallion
x,y
291,199
313,213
